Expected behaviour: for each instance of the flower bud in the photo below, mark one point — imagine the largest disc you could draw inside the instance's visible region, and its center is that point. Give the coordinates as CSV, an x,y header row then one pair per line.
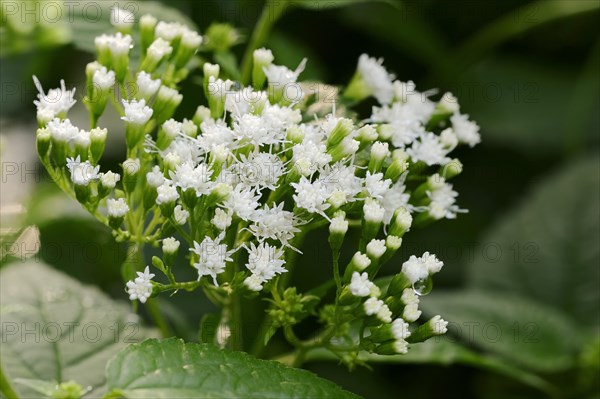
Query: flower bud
x,y
262,58
397,347
166,102
122,19
117,209
358,263
434,326
146,86
108,182
337,231
147,25
42,142
97,143
190,41
220,37
202,114
366,134
373,217
180,215
451,169
158,51
170,246
345,148
342,130
137,115
401,222
379,152
131,168
376,249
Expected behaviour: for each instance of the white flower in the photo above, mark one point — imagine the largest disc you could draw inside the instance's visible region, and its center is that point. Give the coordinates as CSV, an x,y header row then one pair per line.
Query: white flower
x,y
274,223
189,128
168,30
170,245
360,284
361,261
431,263
449,102
166,194
341,181
429,149
394,198
376,78
155,177
411,312
380,151
158,49
448,139
121,18
197,178
104,78
244,101
242,201
219,88
400,346
438,325
338,225
82,139
222,219
309,157
190,39
146,86
400,329
141,287
384,314
56,103
62,131
180,215
253,282
280,76
264,261
131,166
82,173
260,170
376,248
213,257
376,185
417,269
409,296
372,306
373,212
263,56
117,45
109,179
442,204
136,112
466,130
311,196
117,208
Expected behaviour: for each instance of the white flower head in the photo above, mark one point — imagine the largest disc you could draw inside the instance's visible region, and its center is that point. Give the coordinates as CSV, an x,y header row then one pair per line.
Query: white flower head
x,y
411,312
466,130
117,45
376,248
279,75
109,179
376,185
274,223
103,78
400,329
384,314
146,86
213,257
170,245
116,208
57,102
159,49
263,56
136,112
167,193
311,196
429,149
155,177
180,215
168,30
265,261
438,325
82,173
373,211
141,287
372,306
222,220
377,78
360,285
121,18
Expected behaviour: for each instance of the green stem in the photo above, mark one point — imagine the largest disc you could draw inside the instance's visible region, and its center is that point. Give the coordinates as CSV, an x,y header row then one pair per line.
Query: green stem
x,y
5,386
271,12
158,318
188,286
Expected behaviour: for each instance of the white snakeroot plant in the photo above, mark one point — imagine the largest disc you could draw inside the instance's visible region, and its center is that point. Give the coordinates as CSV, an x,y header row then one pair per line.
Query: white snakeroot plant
x,y
243,181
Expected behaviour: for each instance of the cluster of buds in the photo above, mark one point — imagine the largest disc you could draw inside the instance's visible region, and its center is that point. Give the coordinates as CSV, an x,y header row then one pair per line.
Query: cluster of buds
x,y
243,180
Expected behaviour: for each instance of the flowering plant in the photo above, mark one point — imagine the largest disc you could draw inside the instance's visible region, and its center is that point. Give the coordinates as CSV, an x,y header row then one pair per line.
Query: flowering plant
x,y
262,163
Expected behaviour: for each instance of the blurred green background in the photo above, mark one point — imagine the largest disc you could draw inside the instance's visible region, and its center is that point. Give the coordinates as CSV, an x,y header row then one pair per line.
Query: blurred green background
x,y
521,285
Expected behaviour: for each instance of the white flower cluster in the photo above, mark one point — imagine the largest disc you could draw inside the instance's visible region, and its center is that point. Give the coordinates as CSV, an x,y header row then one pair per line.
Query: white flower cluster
x,y
255,171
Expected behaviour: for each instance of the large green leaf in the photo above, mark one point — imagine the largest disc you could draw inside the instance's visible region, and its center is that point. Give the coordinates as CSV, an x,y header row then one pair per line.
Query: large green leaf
x,y
527,333
547,249
174,369
56,329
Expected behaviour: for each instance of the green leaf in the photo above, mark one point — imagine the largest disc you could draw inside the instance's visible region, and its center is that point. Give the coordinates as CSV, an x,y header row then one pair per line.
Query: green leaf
x,y
89,19
547,249
527,333
56,329
327,4
173,369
